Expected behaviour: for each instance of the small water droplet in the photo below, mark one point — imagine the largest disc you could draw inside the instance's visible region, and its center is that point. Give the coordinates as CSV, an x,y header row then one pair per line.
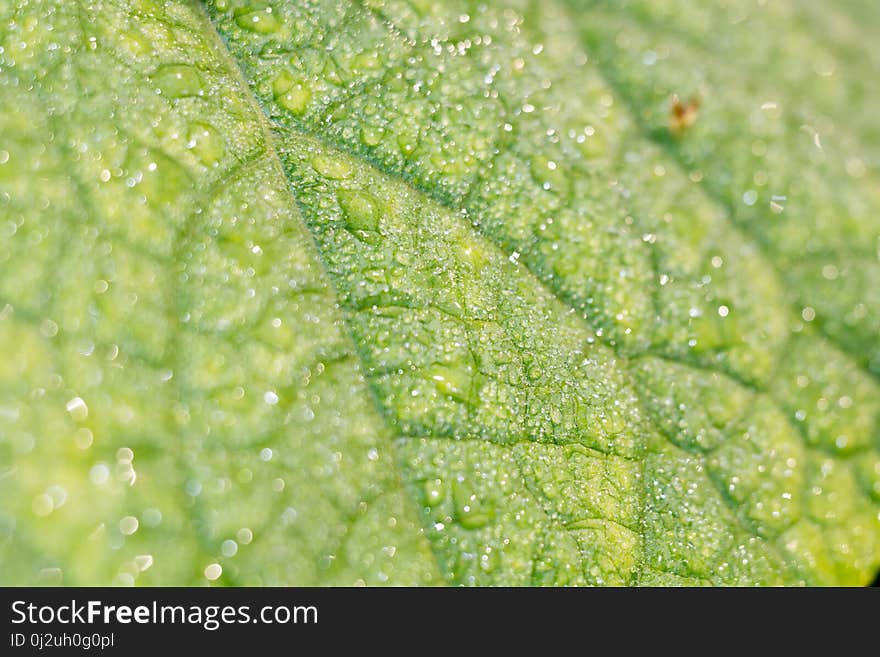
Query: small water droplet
x,y
291,93
334,168
435,491
78,409
99,474
178,81
48,328
262,20
206,143
143,562
83,438
128,525
42,505
359,210
213,571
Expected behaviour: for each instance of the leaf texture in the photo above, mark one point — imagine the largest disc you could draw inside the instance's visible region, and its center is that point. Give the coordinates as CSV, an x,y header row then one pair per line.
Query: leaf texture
x,y
425,292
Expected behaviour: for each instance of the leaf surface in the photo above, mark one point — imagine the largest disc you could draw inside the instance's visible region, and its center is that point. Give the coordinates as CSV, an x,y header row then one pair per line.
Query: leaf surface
x,y
410,293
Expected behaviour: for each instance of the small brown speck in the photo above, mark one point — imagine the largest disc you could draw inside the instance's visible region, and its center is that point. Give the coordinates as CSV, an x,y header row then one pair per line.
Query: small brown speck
x,y
682,115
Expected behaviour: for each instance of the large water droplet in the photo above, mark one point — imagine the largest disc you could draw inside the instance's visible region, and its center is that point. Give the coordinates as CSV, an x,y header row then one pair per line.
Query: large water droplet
x,y
471,511
359,210
260,19
178,81
206,143
334,168
292,93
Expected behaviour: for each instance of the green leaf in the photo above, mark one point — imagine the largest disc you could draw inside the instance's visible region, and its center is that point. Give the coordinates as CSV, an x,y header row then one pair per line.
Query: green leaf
x,y
429,292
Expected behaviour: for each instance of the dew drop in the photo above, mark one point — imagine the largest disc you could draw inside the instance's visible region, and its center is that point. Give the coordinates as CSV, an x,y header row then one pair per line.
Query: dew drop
x,y
206,143
50,576
262,20
334,168
359,210
213,571
42,505
83,438
291,93
99,474
152,517
830,272
371,136
178,81
48,328
78,409
128,525
143,562
435,491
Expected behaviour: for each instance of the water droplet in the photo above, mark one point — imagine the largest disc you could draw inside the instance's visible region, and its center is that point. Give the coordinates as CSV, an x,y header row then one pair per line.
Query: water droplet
x,y
58,495
42,505
48,328
178,81
229,548
293,94
855,167
78,409
99,474
213,571
334,168
134,43
244,536
206,143
143,562
262,20
777,204
83,438
50,577
830,272
371,136
453,380
152,517
470,511
359,210
435,491
128,525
